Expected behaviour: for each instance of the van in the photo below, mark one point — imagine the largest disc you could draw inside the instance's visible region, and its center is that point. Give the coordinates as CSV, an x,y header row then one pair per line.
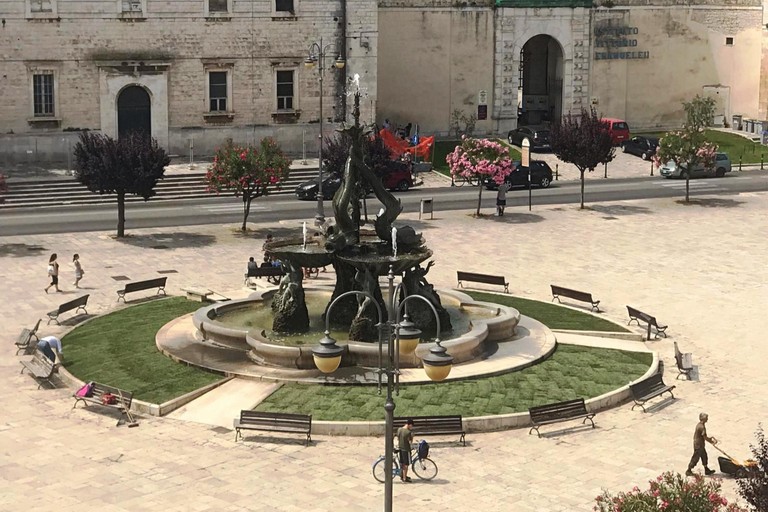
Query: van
x,y
618,129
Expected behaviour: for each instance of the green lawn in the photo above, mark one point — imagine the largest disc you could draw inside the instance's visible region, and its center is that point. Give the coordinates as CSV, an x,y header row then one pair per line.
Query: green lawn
x,y
571,372
734,145
551,315
119,349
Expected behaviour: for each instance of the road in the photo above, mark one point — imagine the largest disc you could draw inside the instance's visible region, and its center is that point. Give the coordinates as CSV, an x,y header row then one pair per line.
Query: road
x,y
221,210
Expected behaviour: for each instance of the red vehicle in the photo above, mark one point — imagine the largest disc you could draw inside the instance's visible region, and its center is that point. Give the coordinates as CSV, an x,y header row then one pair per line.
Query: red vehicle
x,y
619,130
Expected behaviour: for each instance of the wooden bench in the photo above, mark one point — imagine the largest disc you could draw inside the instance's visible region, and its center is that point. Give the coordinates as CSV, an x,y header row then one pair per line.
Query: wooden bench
x,y
636,315
558,291
41,368
684,363
435,426
481,278
123,400
76,304
273,422
273,274
158,282
560,411
649,388
24,341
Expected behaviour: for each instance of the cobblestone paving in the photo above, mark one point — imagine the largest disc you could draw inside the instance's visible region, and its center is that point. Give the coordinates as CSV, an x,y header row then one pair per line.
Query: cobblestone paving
x,y
700,268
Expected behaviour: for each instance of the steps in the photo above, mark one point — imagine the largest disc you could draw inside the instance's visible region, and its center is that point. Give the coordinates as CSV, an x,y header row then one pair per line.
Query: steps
x,y
27,193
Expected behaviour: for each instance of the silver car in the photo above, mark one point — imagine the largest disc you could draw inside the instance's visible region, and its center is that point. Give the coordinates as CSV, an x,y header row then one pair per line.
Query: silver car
x,y
722,165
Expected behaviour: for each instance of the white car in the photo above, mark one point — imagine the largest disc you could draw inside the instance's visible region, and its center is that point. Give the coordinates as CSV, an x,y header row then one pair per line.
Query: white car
x,y
722,166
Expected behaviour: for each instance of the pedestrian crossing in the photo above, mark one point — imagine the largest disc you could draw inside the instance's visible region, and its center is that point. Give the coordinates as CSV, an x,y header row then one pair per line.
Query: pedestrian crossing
x,y
230,208
694,185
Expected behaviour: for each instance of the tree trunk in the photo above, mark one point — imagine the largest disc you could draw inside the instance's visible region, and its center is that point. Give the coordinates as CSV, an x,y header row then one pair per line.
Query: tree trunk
x,y
479,197
582,188
687,188
246,210
120,214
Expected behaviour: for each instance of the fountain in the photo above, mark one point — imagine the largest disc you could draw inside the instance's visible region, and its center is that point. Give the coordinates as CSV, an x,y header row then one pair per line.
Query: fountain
x,y
359,256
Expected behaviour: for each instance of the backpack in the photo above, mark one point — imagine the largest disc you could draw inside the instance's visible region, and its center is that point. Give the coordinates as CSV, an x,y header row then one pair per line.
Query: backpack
x,y
422,449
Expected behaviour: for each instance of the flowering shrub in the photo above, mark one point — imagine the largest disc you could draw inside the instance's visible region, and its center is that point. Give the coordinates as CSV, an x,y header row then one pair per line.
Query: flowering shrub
x,y
248,171
476,159
687,148
670,492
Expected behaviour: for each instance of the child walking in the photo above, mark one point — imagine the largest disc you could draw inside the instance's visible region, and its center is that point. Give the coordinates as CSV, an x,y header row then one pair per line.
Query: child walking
x,y
78,270
53,273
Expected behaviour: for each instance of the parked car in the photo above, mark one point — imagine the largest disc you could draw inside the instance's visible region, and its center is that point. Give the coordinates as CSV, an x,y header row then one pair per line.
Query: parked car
x,y
541,175
721,166
644,147
398,176
308,189
618,129
539,137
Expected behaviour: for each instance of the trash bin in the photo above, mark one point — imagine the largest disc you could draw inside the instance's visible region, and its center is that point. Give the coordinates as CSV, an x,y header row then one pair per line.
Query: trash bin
x,y
426,207
737,122
764,138
749,125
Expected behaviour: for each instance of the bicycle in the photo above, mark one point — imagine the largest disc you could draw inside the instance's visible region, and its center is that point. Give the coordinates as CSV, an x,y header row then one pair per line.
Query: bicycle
x,y
472,181
424,468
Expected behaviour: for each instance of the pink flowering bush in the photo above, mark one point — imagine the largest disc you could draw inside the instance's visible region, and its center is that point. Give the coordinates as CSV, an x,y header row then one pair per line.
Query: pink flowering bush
x,y
247,171
686,148
670,492
477,159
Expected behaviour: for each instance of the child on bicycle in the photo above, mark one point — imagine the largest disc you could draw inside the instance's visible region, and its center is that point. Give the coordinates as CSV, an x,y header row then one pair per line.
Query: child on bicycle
x,y
404,440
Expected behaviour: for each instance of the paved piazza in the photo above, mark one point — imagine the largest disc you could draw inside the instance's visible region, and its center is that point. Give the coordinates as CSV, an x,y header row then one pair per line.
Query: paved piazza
x,y
701,268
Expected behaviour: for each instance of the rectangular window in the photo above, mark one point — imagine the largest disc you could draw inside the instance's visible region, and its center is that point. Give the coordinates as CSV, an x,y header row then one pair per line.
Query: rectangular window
x,y
42,94
217,6
285,90
729,41
131,5
284,6
41,6
217,91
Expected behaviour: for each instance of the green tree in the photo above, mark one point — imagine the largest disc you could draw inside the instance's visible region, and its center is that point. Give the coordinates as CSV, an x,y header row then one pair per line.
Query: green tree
x,y
688,147
131,164
582,140
247,171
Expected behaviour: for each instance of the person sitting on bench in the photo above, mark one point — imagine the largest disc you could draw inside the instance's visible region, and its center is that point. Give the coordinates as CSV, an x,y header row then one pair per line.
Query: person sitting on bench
x,y
50,347
267,262
251,265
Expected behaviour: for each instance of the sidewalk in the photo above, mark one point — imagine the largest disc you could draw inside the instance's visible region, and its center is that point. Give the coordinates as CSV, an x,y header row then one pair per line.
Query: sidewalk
x,y
703,273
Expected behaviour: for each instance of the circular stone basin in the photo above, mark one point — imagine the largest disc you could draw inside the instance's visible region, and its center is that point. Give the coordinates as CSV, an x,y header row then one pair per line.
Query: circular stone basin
x,y
245,324
311,254
380,257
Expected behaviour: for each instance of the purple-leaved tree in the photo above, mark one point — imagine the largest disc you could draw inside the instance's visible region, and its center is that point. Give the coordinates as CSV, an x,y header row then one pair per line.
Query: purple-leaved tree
x,y
582,140
131,164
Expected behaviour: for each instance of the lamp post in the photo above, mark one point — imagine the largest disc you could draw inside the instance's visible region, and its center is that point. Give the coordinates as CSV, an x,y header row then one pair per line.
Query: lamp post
x,y
401,337
317,54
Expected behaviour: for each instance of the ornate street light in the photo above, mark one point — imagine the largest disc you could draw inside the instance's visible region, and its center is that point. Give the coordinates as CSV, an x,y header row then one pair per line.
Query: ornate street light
x,y
402,338
317,55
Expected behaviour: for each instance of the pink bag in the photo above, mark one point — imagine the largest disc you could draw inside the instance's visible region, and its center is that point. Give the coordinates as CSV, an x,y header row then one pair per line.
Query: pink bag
x,y
85,391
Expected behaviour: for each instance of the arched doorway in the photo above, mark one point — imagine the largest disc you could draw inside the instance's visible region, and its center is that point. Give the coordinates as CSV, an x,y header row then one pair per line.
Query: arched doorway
x,y
134,112
540,94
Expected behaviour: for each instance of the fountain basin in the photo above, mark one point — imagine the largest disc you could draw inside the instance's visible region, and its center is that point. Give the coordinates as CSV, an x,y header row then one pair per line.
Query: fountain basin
x,y
488,324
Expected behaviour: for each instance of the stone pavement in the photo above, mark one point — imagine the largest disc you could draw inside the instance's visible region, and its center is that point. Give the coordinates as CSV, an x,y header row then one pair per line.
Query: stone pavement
x,y
700,268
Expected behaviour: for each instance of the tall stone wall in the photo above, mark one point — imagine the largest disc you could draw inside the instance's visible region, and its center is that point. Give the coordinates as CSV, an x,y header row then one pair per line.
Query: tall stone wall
x,y
88,43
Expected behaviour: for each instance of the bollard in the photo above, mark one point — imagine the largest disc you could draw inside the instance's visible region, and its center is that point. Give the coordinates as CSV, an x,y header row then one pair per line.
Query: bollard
x,y
739,163
191,153
556,173
761,161
304,147
651,167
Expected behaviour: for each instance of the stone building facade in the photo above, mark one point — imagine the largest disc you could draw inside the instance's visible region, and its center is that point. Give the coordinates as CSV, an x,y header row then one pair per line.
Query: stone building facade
x,y
191,71
530,61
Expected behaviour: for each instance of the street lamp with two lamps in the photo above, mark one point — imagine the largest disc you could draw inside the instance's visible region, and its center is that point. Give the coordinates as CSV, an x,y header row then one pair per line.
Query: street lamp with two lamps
x,y
317,55
401,338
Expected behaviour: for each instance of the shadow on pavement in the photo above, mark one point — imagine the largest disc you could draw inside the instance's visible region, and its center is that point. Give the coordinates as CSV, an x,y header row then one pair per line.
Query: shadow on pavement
x,y
619,209
168,240
20,250
712,202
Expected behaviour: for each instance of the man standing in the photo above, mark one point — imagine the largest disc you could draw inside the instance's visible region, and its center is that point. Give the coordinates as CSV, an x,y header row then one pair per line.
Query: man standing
x,y
501,199
404,439
699,451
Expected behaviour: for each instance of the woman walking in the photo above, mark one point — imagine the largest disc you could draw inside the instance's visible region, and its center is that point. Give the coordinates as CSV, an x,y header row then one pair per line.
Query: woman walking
x,y
53,272
78,270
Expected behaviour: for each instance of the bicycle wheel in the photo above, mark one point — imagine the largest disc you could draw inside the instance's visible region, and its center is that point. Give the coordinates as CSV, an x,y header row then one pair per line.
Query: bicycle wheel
x,y
379,472
425,469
